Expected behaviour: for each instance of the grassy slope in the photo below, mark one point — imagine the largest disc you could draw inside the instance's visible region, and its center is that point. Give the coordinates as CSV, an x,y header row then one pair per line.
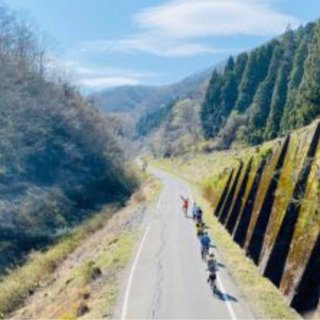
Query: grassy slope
x,y
263,297
61,282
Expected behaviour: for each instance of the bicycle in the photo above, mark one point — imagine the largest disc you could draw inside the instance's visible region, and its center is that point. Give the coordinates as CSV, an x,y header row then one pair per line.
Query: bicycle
x,y
204,253
185,210
213,282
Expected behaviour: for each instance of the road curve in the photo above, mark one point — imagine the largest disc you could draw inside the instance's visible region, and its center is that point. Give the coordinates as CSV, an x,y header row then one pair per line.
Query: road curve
x,y
167,279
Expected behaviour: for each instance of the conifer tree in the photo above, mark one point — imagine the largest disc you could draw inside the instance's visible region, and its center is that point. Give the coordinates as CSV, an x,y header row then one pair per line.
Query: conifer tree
x,y
255,72
281,86
260,108
308,100
228,94
288,120
210,105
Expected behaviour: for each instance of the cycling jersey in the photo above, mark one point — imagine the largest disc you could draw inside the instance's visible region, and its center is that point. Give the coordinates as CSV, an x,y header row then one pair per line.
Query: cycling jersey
x,y
212,265
185,205
200,228
205,242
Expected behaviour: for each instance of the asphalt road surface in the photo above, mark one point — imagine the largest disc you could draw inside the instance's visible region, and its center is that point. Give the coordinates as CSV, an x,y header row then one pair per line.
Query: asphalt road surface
x,y
167,278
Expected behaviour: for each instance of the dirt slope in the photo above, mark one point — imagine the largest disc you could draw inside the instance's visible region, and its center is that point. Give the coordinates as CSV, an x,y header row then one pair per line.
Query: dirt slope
x,y
86,283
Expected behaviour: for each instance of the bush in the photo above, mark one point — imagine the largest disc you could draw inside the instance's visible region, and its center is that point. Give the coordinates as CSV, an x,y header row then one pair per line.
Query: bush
x,y
233,129
60,157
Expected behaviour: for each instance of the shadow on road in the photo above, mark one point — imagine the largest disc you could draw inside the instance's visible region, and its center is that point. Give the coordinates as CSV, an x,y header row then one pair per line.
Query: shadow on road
x,y
224,296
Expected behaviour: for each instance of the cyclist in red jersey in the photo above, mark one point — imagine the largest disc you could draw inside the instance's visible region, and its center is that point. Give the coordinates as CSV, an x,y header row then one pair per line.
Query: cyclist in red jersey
x,y
185,205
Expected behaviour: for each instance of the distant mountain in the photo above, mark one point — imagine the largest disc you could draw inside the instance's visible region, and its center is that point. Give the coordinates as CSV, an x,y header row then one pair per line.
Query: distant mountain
x,y
148,98
163,119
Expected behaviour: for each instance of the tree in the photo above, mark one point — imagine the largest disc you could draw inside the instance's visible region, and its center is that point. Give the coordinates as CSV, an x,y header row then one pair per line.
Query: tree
x,y
255,72
281,86
288,120
240,66
276,86
210,106
228,95
308,99
260,108
60,157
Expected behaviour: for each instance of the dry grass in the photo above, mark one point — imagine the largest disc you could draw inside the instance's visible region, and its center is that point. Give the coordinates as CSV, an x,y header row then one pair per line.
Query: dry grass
x,y
56,279
206,168
21,282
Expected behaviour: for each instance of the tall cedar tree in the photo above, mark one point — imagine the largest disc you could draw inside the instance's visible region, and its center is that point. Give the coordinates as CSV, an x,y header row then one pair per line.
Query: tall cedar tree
x,y
281,87
228,94
255,73
289,119
211,105
308,101
260,108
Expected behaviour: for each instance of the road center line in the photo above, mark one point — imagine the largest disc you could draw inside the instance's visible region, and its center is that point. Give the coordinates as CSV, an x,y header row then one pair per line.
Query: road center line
x,y
127,294
228,304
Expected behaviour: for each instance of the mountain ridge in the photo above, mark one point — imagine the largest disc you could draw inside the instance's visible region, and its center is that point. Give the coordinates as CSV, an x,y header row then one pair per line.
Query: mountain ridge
x,y
146,98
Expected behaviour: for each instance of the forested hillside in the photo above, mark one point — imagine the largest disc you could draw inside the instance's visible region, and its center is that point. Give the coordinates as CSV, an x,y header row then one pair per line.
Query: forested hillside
x,y
173,129
59,157
267,92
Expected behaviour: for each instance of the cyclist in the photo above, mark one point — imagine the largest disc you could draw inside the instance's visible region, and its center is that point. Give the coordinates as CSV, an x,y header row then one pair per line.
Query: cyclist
x,y
205,245
200,229
212,268
185,205
212,263
199,215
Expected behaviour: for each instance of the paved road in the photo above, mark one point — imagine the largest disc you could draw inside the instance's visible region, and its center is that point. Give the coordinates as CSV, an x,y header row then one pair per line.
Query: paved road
x,y
167,279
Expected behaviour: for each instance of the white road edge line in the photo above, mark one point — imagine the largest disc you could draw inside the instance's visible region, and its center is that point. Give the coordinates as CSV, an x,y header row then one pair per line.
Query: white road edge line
x,y
228,304
127,294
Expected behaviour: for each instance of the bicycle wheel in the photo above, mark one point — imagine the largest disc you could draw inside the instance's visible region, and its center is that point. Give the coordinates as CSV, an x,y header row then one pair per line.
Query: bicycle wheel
x,y
212,285
204,254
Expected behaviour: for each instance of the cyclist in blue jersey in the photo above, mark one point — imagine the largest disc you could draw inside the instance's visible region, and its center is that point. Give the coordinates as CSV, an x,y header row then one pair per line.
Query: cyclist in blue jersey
x,y
205,245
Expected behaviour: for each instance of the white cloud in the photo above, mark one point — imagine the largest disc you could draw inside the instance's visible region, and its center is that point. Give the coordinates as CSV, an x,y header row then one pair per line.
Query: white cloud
x,y
199,18
151,44
182,27
108,82
97,77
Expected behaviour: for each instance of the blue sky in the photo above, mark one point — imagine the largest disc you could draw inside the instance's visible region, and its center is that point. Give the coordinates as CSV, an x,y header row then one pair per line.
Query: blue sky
x,y
107,43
